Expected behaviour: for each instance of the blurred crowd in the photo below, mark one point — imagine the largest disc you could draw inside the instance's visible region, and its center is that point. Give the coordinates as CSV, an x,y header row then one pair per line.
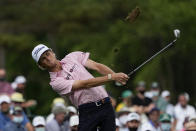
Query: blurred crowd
x,y
143,110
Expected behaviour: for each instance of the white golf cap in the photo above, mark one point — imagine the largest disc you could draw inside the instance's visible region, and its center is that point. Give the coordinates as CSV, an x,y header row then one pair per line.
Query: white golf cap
x,y
38,51
20,80
165,93
71,109
74,120
4,98
39,120
133,116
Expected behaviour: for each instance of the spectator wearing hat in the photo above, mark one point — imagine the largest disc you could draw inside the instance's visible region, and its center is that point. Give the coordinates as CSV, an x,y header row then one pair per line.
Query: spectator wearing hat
x,y
166,122
39,123
16,121
74,122
58,123
169,109
20,82
5,87
56,102
71,110
183,110
18,100
20,86
126,100
142,102
122,117
4,111
133,121
153,123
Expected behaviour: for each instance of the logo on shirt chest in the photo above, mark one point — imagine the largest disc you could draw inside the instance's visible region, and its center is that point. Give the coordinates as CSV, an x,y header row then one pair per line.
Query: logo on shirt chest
x,y
71,70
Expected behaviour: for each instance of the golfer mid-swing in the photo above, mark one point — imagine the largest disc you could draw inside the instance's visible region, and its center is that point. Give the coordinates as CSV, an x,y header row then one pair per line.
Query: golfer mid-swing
x,y
70,77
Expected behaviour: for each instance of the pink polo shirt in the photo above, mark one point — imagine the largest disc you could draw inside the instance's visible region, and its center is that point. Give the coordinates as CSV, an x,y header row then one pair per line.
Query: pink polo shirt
x,y
73,69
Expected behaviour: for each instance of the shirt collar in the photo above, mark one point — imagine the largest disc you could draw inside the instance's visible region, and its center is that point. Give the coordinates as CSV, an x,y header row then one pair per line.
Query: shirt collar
x,y
54,74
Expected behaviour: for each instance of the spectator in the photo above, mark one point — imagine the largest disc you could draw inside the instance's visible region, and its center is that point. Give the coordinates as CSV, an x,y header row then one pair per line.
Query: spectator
x,y
20,82
58,123
18,100
39,123
157,99
4,112
70,112
56,101
122,117
182,110
169,107
117,124
126,100
16,121
5,87
153,123
133,122
166,123
74,122
191,125
140,101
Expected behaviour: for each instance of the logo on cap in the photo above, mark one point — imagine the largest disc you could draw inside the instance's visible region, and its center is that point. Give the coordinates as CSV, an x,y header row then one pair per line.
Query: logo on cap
x,y
36,52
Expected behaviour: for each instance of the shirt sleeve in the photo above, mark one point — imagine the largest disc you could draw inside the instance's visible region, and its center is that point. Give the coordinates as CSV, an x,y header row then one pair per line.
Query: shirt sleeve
x,y
62,86
81,57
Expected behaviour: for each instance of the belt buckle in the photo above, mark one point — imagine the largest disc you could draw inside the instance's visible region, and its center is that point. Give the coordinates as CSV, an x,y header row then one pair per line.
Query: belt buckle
x,y
98,104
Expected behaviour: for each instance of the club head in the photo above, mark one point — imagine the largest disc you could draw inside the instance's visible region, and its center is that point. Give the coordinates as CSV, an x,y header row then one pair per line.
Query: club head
x,y
177,33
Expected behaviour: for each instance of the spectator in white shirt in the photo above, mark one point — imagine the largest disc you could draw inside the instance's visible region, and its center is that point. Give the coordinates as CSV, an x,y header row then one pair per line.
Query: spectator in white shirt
x,y
182,110
169,107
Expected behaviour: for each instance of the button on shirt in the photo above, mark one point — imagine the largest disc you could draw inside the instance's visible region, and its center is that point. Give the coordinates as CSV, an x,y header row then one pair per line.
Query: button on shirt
x,y
73,69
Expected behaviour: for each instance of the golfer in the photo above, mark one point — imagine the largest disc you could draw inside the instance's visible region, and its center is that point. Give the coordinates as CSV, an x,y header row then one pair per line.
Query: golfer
x,y
70,77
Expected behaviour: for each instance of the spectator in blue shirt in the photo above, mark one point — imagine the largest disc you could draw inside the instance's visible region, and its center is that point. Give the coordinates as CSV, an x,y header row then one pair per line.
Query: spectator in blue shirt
x,y
17,100
4,112
16,121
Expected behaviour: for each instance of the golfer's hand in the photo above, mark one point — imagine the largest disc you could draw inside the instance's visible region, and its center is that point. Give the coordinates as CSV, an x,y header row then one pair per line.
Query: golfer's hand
x,y
120,77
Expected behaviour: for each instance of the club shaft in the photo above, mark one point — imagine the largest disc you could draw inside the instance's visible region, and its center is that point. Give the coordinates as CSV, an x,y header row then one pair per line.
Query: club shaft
x,y
170,44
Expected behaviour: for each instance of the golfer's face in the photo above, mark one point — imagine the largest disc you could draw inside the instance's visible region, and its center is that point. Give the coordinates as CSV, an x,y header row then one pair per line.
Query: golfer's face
x,y
47,59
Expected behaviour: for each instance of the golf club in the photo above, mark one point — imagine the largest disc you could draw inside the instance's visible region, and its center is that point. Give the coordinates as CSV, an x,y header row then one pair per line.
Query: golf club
x,y
176,34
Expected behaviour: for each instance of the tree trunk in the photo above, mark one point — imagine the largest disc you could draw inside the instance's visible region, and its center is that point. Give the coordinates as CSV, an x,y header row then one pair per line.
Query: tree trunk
x,y
2,57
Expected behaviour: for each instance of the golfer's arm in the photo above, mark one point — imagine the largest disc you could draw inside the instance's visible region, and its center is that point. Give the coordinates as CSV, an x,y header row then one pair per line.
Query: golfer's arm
x,y
101,68
89,83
